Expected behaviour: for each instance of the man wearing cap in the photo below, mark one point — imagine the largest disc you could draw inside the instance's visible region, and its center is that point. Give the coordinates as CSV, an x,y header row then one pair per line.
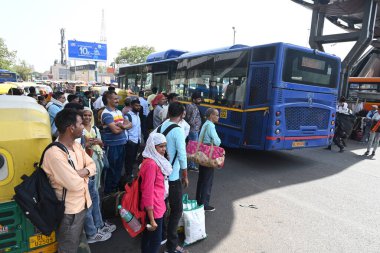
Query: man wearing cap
x,y
367,121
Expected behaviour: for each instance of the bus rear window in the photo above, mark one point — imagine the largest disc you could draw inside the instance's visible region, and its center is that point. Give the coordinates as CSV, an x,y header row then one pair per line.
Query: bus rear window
x,y
310,69
6,75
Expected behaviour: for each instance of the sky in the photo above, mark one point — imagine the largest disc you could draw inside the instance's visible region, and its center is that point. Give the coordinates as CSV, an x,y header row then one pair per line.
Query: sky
x,y
32,28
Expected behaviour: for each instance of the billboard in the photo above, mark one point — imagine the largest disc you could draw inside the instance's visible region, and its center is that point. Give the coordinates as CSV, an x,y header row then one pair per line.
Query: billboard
x,y
88,51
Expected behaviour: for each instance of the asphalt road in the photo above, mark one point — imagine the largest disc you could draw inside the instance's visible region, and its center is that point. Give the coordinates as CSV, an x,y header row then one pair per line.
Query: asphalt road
x,y
311,200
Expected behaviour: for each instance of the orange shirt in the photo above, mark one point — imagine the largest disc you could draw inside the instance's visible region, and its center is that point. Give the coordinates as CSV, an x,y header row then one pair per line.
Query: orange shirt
x,y
62,175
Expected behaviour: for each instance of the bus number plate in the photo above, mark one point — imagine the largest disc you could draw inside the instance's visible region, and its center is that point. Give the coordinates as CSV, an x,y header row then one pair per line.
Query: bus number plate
x,y
40,240
223,114
298,144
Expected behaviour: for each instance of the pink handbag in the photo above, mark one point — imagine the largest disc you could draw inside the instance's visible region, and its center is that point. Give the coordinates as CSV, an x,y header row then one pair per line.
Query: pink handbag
x,y
206,155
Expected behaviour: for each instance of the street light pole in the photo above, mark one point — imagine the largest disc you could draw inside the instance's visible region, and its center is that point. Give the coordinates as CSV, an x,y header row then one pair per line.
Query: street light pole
x,y
233,28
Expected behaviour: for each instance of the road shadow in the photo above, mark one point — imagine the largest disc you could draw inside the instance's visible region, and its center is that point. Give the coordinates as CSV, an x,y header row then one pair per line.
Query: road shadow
x,y
247,173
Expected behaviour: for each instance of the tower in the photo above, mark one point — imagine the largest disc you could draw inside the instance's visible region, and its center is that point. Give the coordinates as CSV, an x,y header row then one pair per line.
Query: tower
x,y
63,47
103,38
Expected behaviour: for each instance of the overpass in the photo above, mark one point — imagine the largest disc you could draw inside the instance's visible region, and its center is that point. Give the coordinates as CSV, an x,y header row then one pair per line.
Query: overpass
x,y
361,21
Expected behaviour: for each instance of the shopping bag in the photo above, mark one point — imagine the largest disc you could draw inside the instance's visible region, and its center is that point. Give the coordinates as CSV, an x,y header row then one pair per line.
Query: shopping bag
x,y
187,204
195,227
206,155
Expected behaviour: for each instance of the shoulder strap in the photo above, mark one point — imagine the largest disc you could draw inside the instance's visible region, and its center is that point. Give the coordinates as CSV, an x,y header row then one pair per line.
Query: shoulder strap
x,y
129,117
96,133
169,128
62,147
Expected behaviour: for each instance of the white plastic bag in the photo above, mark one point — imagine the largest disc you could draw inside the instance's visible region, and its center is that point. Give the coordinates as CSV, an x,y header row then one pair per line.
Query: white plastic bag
x,y
195,228
187,204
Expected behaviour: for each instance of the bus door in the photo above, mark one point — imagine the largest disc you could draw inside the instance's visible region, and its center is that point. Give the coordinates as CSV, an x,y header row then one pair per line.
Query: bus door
x,y
258,95
160,80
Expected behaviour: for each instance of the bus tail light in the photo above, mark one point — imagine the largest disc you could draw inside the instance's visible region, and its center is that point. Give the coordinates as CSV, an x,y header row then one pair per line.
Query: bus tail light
x,y
277,131
333,115
278,113
332,122
331,130
277,122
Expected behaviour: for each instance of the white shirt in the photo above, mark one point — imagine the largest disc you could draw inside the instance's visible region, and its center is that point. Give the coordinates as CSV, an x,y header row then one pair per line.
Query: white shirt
x,y
98,103
343,108
184,126
164,112
144,105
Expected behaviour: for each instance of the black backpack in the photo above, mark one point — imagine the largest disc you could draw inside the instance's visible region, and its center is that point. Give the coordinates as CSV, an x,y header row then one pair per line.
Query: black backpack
x,y
38,200
149,121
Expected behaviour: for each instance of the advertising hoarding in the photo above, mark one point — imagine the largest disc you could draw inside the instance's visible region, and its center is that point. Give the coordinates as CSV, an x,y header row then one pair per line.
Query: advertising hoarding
x,y
88,51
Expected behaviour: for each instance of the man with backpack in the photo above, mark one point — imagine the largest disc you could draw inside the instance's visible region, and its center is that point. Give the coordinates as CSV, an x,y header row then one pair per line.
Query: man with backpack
x,y
70,180
194,118
134,138
176,151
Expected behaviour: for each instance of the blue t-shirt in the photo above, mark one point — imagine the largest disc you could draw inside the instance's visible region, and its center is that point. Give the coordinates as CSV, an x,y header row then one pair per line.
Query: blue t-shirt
x,y
175,140
109,138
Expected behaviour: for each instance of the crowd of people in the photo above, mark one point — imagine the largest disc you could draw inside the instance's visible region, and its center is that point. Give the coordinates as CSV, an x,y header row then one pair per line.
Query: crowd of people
x,y
106,156
364,125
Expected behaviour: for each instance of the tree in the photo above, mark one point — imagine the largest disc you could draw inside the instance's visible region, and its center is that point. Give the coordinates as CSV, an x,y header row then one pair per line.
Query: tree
x,y
23,69
7,58
134,54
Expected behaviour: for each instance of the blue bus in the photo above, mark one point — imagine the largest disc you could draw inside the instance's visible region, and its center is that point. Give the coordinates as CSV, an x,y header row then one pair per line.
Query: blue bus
x,y
8,76
270,97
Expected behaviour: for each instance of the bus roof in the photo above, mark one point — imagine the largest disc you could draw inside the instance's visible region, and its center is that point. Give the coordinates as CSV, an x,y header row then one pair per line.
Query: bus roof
x,y
212,51
168,54
6,71
162,57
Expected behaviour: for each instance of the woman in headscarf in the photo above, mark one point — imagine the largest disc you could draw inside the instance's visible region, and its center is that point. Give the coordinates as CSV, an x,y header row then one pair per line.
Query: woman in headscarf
x,y
154,173
96,230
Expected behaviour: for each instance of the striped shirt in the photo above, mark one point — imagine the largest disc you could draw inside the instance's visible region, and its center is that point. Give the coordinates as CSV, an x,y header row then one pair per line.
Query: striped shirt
x,y
109,138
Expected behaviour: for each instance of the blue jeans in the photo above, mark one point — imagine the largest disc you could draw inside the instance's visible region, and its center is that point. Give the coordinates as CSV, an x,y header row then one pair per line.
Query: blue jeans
x,y
193,136
93,219
115,156
373,141
151,240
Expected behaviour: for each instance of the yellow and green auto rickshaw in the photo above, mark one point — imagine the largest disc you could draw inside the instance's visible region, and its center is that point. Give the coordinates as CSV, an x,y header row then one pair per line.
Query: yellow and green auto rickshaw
x,y
25,132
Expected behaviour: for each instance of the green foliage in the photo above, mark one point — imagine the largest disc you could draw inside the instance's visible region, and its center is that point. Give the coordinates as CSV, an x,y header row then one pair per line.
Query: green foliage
x,y
23,69
134,54
7,58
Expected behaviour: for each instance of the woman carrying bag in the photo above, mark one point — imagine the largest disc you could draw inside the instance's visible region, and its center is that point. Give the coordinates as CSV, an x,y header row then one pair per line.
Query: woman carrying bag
x,y
206,174
154,172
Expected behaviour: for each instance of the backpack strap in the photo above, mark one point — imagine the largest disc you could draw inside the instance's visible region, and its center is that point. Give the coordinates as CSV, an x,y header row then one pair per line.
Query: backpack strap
x,y
129,117
64,149
130,120
167,130
96,133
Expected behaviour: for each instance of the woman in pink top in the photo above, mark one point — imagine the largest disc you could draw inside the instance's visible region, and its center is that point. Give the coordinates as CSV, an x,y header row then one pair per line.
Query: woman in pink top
x,y
154,173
